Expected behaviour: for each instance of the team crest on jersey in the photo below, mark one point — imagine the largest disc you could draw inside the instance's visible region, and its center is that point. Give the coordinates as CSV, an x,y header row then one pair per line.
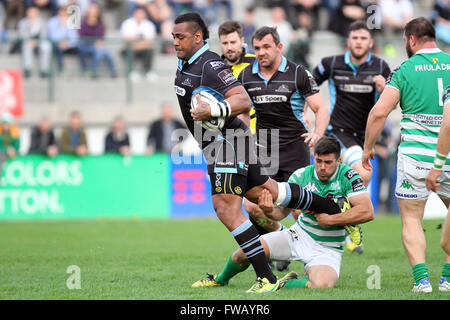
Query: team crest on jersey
x,y
311,186
283,88
187,82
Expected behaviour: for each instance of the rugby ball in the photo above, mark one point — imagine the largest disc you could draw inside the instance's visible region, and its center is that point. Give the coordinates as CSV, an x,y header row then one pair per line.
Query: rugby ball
x,y
214,123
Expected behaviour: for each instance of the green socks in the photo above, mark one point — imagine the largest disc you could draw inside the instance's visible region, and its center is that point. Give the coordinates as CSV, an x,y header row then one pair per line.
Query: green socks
x,y
229,271
296,283
446,271
420,271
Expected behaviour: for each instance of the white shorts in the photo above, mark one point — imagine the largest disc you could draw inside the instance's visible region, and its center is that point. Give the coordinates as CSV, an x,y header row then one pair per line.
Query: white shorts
x,y
411,176
295,244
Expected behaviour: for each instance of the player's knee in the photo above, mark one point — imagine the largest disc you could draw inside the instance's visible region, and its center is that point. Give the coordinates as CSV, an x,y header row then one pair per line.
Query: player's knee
x,y
239,257
322,283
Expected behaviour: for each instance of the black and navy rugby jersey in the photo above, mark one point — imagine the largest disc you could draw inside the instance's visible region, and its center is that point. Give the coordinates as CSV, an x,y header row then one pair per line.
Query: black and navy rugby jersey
x,y
279,103
205,70
352,90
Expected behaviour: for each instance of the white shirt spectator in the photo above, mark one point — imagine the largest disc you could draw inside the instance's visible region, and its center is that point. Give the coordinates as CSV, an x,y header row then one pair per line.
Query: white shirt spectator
x,y
396,13
130,28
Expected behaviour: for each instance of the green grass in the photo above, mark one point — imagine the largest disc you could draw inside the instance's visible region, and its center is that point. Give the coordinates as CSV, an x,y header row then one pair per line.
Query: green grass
x,y
160,259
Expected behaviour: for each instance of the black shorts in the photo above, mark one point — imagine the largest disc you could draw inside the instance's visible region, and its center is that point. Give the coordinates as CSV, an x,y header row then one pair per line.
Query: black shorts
x,y
289,158
233,166
346,139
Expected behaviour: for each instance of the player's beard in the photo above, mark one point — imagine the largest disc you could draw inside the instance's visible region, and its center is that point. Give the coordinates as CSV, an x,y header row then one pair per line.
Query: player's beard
x,y
409,51
234,57
359,56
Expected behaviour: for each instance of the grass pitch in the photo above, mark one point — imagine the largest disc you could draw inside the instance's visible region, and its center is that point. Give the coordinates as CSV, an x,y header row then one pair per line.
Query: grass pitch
x,y
160,259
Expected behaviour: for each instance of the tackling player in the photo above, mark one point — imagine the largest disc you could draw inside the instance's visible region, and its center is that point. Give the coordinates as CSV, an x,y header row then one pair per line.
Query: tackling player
x,y
355,81
234,175
418,85
315,239
440,164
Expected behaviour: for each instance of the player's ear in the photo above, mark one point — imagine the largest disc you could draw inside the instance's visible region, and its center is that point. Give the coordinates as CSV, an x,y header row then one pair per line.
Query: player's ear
x,y
371,43
280,46
339,160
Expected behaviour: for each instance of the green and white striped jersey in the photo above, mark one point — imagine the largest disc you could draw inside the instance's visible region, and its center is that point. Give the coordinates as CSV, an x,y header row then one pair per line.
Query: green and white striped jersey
x,y
421,80
345,182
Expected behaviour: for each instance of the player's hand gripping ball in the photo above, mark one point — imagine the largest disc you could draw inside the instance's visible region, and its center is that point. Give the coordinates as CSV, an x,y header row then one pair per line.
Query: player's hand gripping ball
x,y
218,110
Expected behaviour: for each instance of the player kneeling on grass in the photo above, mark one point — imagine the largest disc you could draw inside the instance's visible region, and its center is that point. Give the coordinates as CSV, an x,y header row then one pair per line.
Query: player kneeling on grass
x,y
316,239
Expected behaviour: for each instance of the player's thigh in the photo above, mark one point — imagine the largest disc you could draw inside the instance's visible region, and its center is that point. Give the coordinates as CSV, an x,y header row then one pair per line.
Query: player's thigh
x,y
322,276
445,238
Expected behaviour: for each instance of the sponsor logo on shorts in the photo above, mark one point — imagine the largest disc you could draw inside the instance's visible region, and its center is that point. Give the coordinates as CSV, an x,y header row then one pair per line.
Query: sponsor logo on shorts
x,y
406,185
218,189
404,195
238,190
218,183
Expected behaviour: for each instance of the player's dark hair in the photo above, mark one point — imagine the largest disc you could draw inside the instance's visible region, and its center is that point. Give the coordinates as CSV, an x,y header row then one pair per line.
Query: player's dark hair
x,y
229,27
196,19
421,28
264,31
359,25
327,145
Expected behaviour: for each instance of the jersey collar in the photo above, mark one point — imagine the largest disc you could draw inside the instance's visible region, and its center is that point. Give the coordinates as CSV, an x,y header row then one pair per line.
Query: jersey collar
x,y
349,62
195,56
281,68
429,50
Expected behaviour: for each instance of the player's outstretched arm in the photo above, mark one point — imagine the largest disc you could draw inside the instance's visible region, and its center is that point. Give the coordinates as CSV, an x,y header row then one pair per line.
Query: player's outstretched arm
x,y
376,121
361,212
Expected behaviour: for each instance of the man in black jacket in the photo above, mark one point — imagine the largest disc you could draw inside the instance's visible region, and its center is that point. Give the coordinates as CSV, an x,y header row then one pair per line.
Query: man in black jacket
x,y
43,139
160,131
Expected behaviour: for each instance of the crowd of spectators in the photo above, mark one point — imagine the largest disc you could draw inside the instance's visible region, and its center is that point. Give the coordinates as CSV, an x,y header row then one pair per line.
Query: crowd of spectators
x,y
73,138
143,22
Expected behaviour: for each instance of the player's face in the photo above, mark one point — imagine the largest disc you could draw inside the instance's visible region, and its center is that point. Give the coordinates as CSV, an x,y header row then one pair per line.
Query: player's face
x,y
325,166
185,40
359,43
266,51
231,46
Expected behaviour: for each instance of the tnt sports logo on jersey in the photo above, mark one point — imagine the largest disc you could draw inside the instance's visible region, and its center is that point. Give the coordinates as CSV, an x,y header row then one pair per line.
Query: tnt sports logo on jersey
x,y
269,99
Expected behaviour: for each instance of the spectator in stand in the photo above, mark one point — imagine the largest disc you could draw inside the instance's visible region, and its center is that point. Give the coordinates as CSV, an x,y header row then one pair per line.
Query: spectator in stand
x,y
44,5
83,5
396,14
160,13
73,137
159,138
33,34
284,28
139,34
15,9
347,12
43,139
181,6
441,20
249,27
306,15
117,139
134,4
92,45
9,137
63,38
